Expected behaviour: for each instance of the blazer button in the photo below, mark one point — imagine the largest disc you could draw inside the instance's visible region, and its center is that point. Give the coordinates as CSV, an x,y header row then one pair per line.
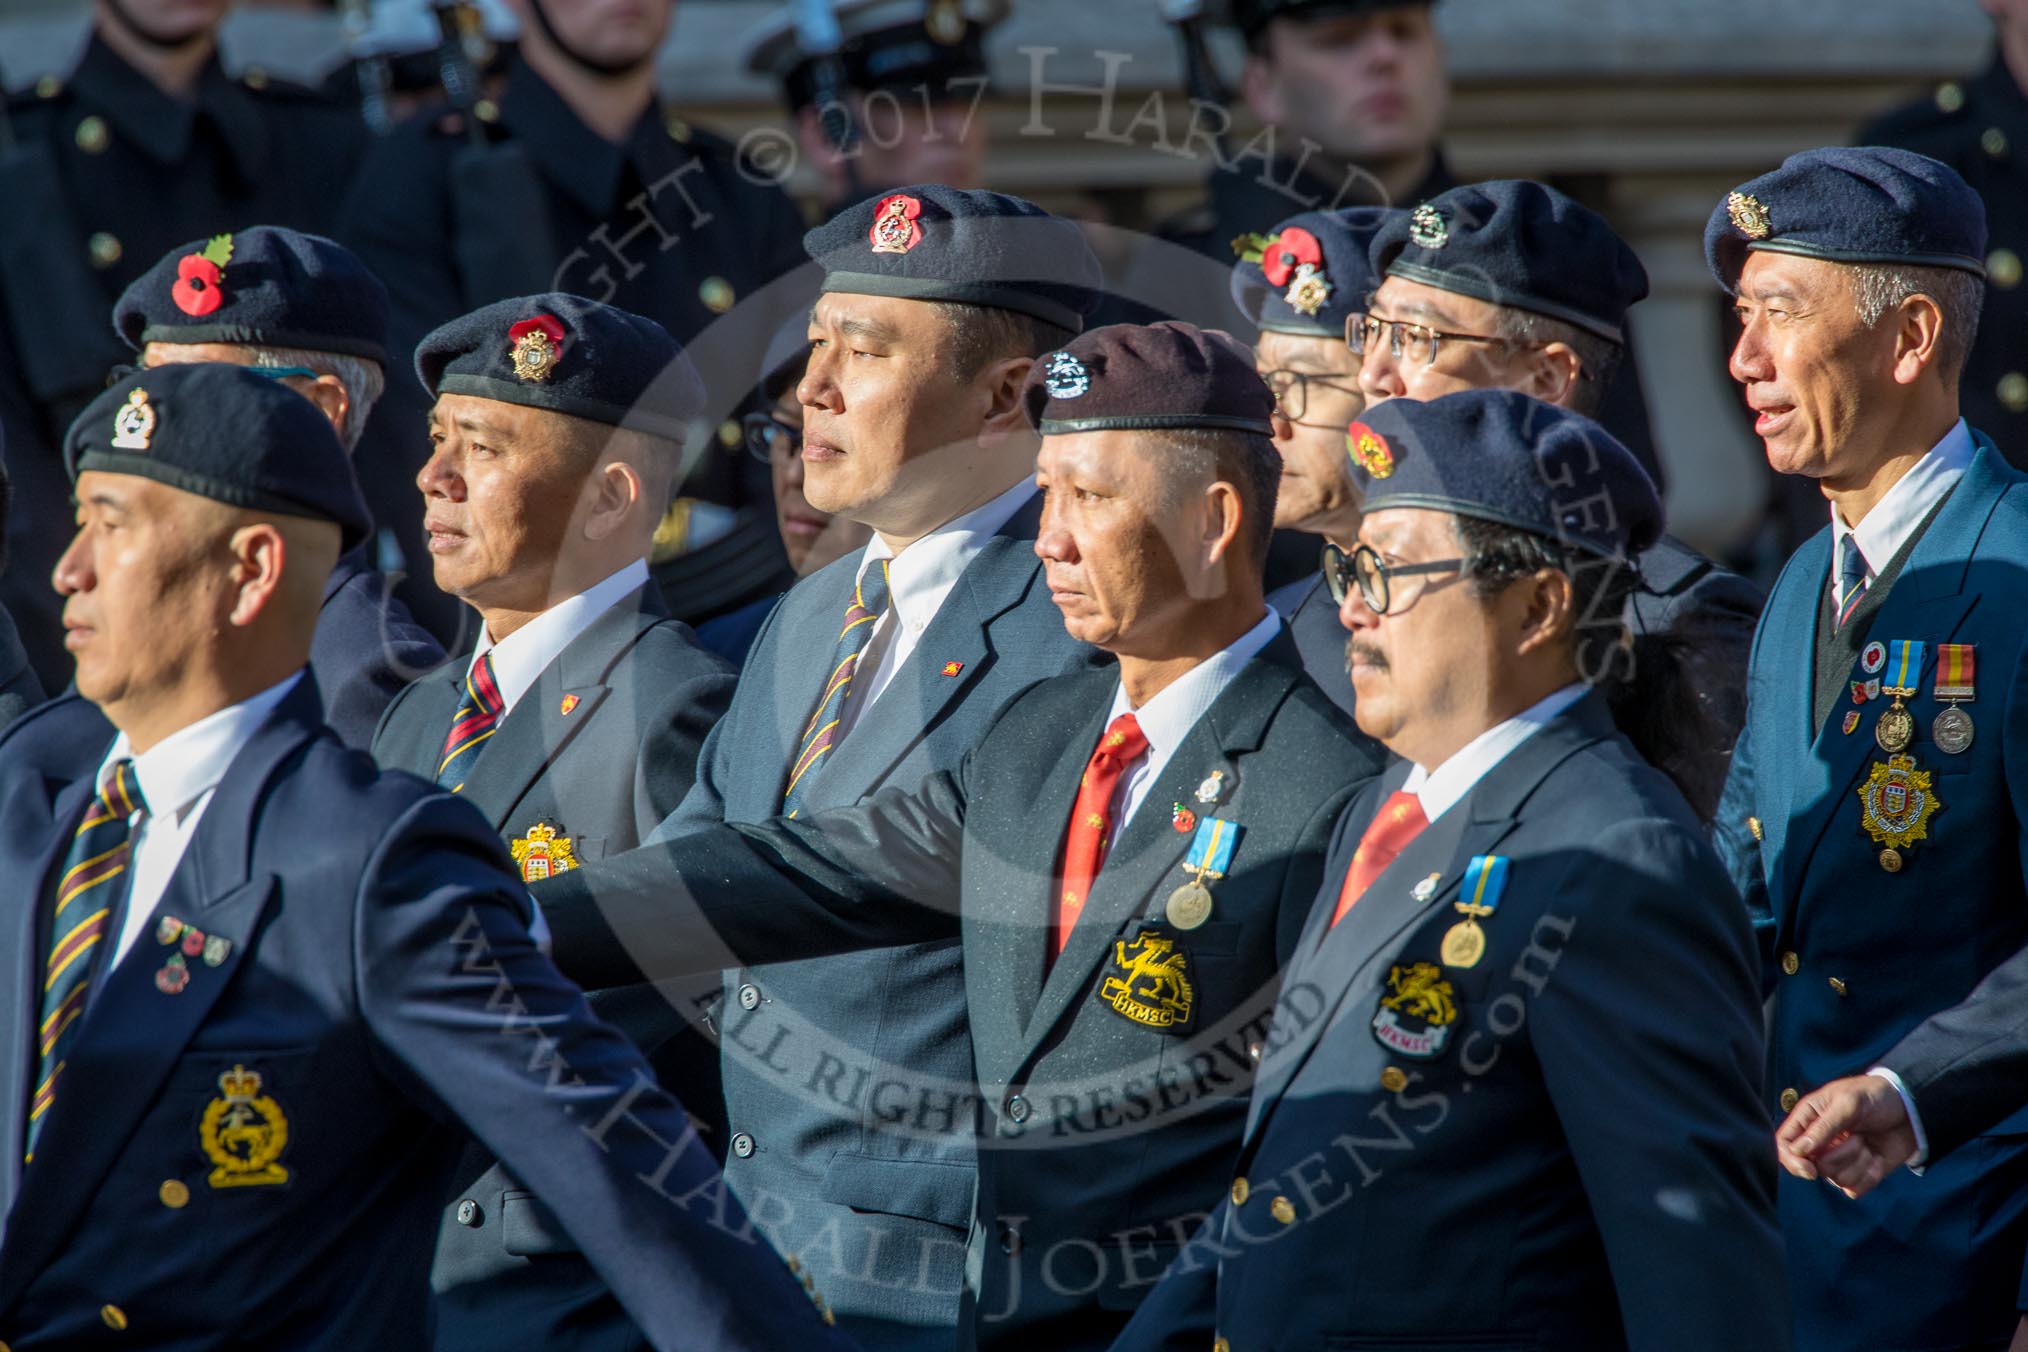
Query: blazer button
x,y
742,1145
1253,1052
1017,1109
1394,1079
115,1318
175,1193
468,1213
749,996
1283,1210
1240,1189
1788,1099
1791,963
1010,1238
1837,986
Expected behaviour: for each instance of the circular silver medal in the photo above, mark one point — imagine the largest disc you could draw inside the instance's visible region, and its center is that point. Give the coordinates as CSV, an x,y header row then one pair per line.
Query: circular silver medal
x,y
1952,731
1189,906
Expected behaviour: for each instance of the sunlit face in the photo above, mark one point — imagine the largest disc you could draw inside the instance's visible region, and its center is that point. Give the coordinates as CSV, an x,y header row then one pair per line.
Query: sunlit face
x,y
145,585
1317,386
1812,373
609,32
1427,663
169,22
1115,542
1458,363
810,538
879,402
501,493
1368,88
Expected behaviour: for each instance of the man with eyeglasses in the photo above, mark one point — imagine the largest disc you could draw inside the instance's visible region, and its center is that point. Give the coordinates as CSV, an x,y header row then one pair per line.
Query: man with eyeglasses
x,y
772,433
576,725
1525,1110
306,312
1299,284
1512,285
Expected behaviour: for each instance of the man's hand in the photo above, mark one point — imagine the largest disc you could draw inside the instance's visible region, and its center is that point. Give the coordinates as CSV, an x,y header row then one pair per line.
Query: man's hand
x,y
1851,1132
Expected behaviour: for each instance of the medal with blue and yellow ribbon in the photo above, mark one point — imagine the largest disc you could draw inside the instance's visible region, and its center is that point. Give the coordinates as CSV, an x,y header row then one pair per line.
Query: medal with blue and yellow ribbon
x,y
1479,896
1896,728
1210,856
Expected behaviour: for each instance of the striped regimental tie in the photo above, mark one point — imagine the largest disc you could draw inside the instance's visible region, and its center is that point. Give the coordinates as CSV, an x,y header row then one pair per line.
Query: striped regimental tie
x,y
869,602
477,717
88,892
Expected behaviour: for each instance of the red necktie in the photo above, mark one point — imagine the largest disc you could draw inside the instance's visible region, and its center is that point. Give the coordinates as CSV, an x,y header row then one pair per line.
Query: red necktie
x,y
1091,820
1400,821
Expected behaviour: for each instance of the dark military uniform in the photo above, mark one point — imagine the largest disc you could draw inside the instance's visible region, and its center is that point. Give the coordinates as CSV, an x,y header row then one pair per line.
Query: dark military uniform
x,y
1980,129
455,211
107,173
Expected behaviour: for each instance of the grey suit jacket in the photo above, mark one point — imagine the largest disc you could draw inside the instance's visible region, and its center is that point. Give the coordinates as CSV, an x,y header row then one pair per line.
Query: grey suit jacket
x,y
828,1061
1105,1126
600,775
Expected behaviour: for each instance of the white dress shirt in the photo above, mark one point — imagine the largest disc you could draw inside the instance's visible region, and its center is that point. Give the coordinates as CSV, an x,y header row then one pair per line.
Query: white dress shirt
x,y
1167,718
918,580
177,776
526,653
1441,789
1886,528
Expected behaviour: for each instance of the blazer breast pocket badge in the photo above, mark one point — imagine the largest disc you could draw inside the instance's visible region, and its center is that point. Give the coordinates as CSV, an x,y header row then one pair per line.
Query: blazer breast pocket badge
x,y
1148,981
1418,1014
542,853
243,1133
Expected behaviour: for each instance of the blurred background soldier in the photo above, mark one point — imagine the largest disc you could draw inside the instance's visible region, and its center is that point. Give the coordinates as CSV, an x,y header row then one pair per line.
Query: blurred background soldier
x,y
144,144
576,179
398,57
883,92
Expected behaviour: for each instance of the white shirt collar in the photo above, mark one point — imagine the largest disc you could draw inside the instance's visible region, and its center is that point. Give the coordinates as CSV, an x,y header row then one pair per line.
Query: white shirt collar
x,y
520,658
187,764
1886,528
923,573
1441,789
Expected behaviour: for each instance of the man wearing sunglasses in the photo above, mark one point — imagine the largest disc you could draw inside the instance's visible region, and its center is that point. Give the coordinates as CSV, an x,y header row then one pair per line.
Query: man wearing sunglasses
x,y
1526,1112
575,728
1512,285
302,310
1299,284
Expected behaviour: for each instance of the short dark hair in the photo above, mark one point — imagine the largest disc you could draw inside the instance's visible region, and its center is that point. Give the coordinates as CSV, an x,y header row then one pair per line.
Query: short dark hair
x,y
1498,555
1959,295
1246,460
978,334
1598,359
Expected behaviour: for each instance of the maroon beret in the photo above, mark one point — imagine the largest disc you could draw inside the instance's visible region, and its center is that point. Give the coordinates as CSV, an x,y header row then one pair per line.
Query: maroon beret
x,y
1157,376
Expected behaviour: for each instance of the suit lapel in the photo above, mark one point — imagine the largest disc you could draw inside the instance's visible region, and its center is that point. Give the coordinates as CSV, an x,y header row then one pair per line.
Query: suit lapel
x,y
20,969
1348,961
919,694
1928,602
531,737
1144,859
134,1034
1791,612
801,663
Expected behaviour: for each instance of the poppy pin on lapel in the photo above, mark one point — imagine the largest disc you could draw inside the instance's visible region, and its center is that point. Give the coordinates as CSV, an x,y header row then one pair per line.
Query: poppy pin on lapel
x,y
953,668
569,703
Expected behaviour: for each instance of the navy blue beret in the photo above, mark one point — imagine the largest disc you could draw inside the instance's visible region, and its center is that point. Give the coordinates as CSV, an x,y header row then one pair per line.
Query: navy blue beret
x,y
1159,376
1311,272
1521,244
1254,15
568,355
1851,204
264,287
226,433
896,45
973,247
1502,456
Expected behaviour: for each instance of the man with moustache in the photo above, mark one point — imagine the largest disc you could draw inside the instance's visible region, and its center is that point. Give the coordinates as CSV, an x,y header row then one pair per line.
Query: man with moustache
x,y
1526,1114
147,142
1872,817
577,179
303,311
254,990
1513,285
1300,283
883,668
575,725
1126,855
